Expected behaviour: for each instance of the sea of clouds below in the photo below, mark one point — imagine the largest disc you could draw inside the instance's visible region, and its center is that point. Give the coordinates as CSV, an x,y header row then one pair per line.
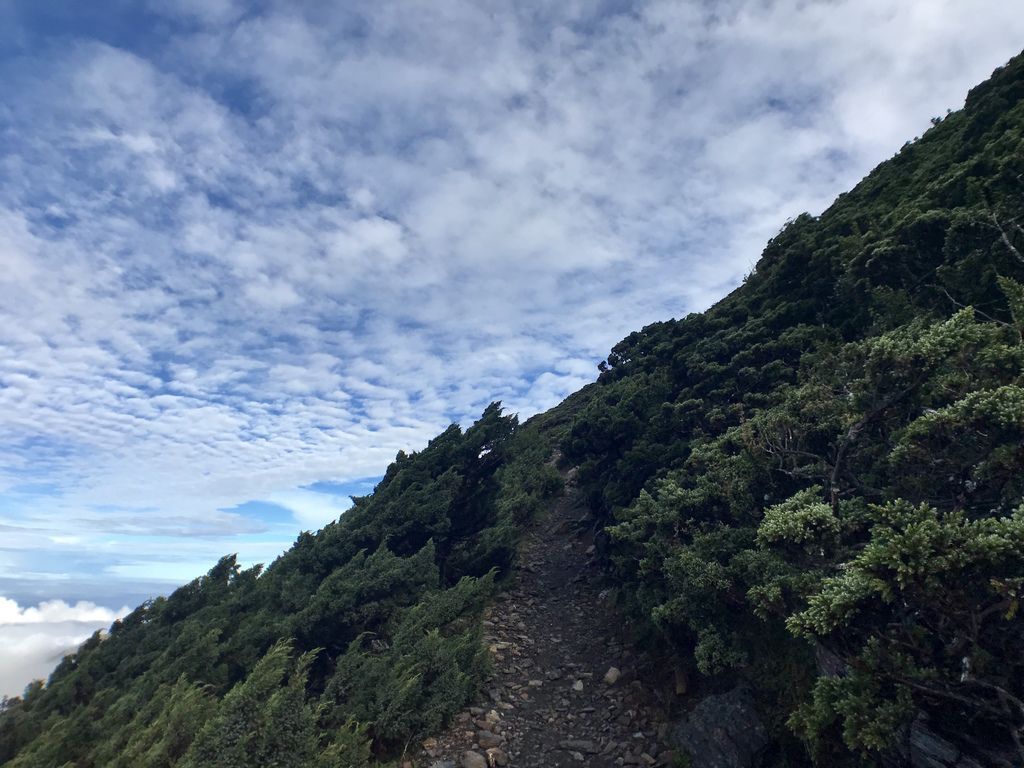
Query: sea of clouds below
x,y
35,638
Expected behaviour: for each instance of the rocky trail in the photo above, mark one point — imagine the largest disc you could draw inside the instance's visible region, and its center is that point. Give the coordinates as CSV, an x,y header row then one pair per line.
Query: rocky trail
x,y
567,690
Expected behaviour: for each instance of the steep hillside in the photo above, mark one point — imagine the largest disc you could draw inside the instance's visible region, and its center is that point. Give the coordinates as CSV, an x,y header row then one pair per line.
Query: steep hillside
x,y
816,486
813,490
366,631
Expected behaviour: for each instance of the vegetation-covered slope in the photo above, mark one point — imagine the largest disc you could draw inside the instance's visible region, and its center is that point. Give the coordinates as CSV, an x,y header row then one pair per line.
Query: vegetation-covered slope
x,y
816,485
815,488
366,631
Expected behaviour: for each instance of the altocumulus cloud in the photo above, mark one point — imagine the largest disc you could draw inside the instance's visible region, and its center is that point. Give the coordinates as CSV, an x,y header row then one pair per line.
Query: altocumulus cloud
x,y
248,248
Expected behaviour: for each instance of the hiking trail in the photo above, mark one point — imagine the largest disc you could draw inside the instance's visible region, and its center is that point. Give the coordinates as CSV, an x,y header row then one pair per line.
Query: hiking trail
x,y
566,689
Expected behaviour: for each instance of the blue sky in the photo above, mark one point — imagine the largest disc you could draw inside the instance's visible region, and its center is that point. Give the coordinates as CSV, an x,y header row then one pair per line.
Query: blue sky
x,y
249,251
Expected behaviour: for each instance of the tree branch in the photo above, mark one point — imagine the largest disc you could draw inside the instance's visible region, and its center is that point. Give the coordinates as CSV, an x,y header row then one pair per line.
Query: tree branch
x,y
1006,238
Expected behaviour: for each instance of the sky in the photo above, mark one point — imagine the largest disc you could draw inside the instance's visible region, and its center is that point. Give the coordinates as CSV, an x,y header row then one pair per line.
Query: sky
x,y
249,251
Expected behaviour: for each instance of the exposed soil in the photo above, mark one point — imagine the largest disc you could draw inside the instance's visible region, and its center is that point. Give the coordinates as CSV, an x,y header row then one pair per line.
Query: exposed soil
x,y
567,690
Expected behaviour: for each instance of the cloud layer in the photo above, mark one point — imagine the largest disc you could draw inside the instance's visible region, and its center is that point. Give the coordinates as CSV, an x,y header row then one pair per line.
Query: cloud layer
x,y
248,248
35,638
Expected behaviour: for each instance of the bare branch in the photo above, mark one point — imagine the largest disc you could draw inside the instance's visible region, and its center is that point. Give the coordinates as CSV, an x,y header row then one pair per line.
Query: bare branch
x,y
977,311
1006,238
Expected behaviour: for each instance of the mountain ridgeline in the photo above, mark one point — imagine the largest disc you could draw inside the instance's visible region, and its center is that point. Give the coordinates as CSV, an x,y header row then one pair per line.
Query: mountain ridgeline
x,y
814,490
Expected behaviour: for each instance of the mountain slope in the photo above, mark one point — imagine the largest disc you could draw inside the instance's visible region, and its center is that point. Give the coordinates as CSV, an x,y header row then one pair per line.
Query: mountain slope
x,y
823,471
813,489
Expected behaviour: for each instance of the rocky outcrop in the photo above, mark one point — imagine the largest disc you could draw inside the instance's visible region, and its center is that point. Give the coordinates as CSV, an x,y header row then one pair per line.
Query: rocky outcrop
x,y
723,731
922,747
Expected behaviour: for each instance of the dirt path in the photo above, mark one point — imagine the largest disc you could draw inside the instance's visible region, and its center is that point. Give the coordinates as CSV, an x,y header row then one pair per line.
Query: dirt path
x,y
567,691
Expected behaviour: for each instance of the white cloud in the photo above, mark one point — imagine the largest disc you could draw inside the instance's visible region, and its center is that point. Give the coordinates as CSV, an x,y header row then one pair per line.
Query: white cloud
x,y
52,611
17,247
369,243
312,509
271,294
35,638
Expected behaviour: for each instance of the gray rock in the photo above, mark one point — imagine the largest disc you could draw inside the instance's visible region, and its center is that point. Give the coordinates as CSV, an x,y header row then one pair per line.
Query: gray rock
x,y
580,745
472,759
829,664
487,739
723,731
929,750
922,747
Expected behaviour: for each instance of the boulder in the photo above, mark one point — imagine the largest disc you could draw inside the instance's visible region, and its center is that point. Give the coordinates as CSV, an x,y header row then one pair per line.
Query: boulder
x,y
487,739
723,731
922,747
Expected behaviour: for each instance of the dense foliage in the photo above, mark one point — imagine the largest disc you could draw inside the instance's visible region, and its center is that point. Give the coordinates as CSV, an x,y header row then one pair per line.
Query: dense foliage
x,y
363,635
816,488
817,485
